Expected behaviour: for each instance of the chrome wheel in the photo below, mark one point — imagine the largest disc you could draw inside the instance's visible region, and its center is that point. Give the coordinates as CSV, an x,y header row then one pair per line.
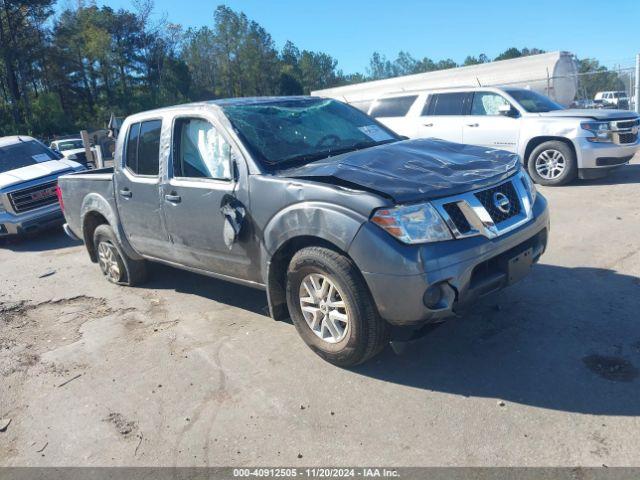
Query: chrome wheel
x,y
550,164
323,308
108,261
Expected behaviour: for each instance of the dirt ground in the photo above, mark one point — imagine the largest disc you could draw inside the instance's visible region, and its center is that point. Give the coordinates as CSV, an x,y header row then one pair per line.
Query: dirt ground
x,y
191,371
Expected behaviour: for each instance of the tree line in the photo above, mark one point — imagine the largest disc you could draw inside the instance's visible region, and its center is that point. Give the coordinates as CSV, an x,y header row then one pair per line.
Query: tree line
x,y
66,71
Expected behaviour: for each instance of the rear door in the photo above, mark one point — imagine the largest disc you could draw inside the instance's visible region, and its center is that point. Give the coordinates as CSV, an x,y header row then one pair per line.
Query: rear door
x,y
137,185
393,111
443,115
200,179
487,127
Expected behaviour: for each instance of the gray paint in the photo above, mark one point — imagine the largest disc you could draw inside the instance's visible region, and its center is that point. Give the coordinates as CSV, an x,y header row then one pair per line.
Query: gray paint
x,y
329,201
415,170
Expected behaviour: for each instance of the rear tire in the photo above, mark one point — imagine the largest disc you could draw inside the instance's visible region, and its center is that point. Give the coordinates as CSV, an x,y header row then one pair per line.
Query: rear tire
x,y
552,163
115,265
340,322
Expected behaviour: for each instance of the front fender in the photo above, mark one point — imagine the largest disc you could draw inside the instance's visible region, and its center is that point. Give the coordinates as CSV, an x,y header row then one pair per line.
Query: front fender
x,y
307,221
333,223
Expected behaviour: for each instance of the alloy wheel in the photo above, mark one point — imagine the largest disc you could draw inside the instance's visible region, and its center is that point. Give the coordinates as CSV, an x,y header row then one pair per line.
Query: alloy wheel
x,y
324,308
108,261
550,164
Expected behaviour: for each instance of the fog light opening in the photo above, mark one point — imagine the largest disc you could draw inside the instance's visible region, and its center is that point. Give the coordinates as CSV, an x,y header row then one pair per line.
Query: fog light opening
x,y
432,297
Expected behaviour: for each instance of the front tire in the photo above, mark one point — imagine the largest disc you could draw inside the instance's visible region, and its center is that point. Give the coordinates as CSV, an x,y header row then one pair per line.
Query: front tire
x,y
115,265
552,163
332,309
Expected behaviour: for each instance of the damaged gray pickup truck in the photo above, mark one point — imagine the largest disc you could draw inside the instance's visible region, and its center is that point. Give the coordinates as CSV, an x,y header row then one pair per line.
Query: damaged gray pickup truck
x,y
357,234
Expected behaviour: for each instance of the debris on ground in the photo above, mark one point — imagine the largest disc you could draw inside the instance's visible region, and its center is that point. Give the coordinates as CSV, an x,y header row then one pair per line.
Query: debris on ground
x,y
501,403
42,449
135,453
4,424
48,273
123,426
70,380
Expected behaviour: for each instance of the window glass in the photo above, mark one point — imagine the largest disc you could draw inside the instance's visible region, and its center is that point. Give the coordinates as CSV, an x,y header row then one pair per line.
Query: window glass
x,y
487,103
23,154
149,148
534,102
69,145
447,104
392,107
131,155
299,131
201,152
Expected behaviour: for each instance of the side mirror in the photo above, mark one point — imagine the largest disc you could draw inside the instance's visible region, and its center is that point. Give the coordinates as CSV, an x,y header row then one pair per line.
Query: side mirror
x,y
507,110
504,109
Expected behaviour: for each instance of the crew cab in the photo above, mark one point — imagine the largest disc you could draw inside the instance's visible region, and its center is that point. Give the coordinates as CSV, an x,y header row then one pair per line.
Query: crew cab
x,y
355,233
556,144
28,178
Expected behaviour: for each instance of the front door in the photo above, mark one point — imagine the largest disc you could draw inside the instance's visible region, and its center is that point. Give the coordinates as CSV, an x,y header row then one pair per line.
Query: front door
x,y
200,180
137,185
488,126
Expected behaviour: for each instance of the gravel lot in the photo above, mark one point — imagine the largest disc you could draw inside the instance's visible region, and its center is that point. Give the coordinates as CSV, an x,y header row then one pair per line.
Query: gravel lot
x,y
190,371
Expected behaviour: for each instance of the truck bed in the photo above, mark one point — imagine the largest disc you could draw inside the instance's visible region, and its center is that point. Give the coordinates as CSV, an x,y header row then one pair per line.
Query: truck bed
x,y
79,189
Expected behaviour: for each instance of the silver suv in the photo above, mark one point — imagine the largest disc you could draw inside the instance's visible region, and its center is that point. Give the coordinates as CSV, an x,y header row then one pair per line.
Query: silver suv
x,y
556,144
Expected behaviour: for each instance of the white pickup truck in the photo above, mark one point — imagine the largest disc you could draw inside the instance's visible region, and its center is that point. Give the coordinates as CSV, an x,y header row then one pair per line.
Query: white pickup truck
x,y
29,174
556,144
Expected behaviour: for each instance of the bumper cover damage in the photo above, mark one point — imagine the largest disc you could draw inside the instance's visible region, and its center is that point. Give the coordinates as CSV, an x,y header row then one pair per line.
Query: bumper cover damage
x,y
464,270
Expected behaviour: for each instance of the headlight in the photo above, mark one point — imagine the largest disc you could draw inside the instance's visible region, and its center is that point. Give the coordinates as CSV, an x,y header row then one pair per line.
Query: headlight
x,y
600,130
529,186
413,223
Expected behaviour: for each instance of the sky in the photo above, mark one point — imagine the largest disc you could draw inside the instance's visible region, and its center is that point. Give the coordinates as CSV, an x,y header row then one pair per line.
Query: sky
x,y
351,30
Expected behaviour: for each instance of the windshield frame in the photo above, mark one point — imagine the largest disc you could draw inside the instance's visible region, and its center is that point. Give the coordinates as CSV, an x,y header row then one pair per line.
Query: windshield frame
x,y
514,93
266,164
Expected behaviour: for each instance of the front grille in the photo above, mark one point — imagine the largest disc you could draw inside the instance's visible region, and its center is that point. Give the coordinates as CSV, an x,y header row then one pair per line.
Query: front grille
x,y
457,217
627,138
486,197
626,124
34,197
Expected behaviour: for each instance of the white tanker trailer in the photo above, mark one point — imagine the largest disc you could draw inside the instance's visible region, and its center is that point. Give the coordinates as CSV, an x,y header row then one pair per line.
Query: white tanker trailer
x,y
553,74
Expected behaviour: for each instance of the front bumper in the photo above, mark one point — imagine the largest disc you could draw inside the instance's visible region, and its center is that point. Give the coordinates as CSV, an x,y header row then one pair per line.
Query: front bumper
x,y
30,222
596,159
398,275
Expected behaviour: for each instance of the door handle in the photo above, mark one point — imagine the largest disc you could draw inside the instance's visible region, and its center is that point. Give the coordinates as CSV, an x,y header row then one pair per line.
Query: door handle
x,y
472,125
173,198
125,192
428,124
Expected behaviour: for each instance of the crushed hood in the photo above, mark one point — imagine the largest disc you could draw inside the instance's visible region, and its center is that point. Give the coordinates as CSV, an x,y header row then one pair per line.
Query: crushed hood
x,y
38,170
596,114
413,170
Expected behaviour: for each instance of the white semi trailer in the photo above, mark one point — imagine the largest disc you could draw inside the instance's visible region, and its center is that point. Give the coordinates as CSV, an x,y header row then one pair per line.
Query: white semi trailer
x,y
553,74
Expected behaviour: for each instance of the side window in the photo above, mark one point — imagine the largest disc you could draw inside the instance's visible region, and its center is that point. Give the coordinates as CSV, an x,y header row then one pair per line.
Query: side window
x,y
200,151
131,154
447,104
393,107
487,103
142,155
149,148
